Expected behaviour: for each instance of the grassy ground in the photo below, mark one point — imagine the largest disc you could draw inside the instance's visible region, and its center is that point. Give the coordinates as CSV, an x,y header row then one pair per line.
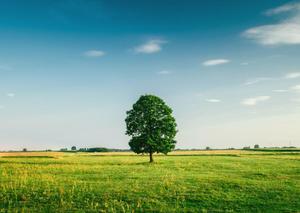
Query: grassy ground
x,y
240,181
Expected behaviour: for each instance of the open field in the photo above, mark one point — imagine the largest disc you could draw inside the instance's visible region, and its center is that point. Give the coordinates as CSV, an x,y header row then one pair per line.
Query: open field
x,y
221,180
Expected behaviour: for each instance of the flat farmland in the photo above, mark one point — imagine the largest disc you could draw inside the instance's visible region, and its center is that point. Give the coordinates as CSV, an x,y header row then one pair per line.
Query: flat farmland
x,y
183,181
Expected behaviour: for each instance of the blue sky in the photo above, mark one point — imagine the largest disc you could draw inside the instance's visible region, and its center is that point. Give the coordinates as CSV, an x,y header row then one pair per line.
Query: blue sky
x,y
71,68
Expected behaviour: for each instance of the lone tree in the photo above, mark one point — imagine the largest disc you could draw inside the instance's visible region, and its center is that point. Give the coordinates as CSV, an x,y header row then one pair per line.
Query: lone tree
x,y
151,125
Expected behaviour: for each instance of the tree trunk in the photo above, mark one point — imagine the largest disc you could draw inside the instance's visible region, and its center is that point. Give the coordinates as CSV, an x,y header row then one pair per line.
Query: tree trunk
x,y
151,157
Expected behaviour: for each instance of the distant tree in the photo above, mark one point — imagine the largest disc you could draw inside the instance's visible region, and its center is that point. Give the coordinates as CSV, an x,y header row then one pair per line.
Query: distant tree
x,y
101,149
151,126
73,148
24,150
246,147
64,149
207,148
256,146
97,149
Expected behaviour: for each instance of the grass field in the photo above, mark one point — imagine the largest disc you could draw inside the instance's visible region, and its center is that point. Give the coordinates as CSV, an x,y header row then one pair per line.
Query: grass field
x,y
207,181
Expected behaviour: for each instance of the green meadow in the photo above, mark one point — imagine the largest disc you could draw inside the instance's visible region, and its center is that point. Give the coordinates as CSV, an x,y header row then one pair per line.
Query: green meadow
x,y
234,181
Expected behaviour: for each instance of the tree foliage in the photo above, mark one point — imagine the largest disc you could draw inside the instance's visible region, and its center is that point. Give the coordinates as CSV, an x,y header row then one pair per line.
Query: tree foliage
x,y
151,126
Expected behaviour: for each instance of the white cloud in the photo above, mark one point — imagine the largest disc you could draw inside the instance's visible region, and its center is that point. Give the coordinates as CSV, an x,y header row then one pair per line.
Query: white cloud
x,y
284,8
164,72
213,100
11,95
255,100
244,63
257,80
292,75
296,88
286,31
214,62
152,46
94,53
279,90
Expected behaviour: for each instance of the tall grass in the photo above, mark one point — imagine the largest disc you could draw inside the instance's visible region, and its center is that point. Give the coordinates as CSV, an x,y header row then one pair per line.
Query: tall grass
x,y
228,181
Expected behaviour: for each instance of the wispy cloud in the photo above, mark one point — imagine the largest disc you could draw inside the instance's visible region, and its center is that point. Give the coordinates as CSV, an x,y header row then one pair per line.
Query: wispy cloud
x,y
257,80
164,72
292,75
280,90
255,100
11,95
214,62
94,53
244,63
295,88
286,31
213,100
152,46
283,8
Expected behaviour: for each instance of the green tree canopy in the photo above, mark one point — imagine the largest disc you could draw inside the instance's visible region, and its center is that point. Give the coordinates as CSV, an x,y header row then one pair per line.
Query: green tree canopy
x,y
151,126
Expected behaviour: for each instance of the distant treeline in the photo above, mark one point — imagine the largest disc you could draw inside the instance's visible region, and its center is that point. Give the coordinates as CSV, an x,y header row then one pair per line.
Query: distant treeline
x,y
94,149
283,149
102,149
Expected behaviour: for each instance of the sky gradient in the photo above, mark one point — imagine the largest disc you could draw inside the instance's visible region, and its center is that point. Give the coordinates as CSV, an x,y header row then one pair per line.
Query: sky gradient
x,y
70,69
